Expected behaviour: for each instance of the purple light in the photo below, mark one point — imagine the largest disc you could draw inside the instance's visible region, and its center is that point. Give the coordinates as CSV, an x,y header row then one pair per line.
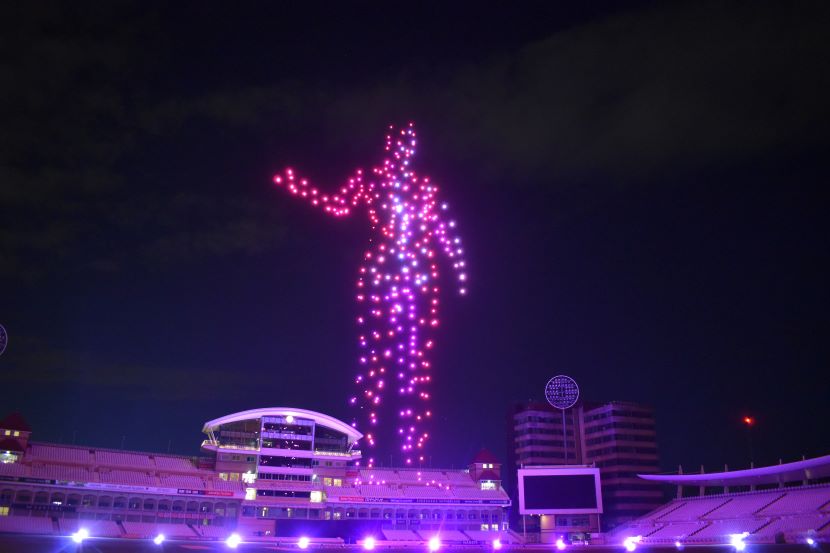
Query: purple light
x,y
434,543
630,543
303,542
560,544
233,541
737,541
496,544
368,543
397,283
80,535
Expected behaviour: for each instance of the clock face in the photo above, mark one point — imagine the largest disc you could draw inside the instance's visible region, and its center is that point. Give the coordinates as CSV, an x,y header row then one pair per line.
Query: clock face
x,y
562,392
4,339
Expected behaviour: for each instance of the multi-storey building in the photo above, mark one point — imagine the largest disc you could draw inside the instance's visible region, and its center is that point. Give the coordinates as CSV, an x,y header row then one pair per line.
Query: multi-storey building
x,y
617,437
620,439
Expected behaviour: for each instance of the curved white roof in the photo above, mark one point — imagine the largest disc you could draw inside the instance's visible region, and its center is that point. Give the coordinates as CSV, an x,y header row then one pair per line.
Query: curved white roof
x,y
809,469
318,418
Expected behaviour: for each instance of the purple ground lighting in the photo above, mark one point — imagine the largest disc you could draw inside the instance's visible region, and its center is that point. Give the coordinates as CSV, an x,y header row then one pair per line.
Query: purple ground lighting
x,y
397,288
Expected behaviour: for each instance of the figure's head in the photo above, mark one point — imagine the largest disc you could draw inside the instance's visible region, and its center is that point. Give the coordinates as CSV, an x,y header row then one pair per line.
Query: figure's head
x,y
400,145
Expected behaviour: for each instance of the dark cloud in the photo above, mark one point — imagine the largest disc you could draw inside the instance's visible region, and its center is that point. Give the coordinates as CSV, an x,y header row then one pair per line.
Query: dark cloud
x,y
630,180
32,364
666,86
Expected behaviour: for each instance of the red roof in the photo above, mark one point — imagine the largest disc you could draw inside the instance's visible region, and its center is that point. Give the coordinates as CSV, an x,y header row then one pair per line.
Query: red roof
x,y
10,444
484,456
15,421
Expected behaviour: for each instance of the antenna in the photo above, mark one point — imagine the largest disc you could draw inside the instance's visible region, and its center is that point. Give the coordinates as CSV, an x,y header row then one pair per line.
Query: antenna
x,y
562,393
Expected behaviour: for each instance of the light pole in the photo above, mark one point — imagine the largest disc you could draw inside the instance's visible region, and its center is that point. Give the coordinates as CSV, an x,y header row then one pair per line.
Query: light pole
x,y
749,422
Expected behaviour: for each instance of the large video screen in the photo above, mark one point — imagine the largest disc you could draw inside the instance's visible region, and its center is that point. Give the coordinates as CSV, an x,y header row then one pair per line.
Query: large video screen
x,y
559,491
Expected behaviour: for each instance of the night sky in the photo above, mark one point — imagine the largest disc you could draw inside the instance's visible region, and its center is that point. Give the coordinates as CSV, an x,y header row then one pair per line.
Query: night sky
x,y
641,188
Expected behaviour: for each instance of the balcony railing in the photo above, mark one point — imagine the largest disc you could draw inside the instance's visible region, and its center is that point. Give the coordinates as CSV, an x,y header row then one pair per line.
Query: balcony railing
x,y
230,446
352,453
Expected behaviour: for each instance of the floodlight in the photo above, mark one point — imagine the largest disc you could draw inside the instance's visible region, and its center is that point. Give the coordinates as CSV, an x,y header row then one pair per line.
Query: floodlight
x,y
434,543
80,535
368,543
631,542
303,542
560,544
737,541
496,544
158,540
233,541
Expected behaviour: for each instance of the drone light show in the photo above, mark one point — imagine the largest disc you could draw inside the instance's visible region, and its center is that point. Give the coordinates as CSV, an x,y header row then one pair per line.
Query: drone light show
x,y
398,291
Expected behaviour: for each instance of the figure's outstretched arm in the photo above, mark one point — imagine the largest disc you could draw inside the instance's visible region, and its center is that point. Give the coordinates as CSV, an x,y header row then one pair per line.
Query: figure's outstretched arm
x,y
444,230
351,195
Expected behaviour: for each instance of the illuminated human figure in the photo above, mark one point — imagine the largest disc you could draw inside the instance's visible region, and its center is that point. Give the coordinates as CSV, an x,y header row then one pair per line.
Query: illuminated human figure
x,y
397,289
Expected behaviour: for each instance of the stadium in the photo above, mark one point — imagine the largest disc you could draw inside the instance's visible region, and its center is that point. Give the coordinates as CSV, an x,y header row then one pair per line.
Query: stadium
x,y
266,475
786,503
291,477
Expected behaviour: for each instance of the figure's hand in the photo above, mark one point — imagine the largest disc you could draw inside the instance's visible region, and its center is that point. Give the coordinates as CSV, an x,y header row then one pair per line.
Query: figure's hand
x,y
338,205
447,236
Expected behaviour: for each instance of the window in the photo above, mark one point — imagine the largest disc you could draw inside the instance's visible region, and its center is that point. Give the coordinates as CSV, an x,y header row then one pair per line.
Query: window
x,y
4,511
250,494
316,496
488,485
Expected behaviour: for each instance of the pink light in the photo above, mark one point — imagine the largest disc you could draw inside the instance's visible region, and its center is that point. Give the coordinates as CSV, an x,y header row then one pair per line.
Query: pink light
x,y
395,284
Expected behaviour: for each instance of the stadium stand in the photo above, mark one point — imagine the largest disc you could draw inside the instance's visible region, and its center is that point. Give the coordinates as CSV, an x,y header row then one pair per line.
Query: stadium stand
x,y
182,481
798,501
59,454
216,532
423,492
720,528
96,528
401,535
740,505
769,516
217,484
26,525
672,532
150,530
131,477
446,536
174,464
106,457
14,469
692,510
62,472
